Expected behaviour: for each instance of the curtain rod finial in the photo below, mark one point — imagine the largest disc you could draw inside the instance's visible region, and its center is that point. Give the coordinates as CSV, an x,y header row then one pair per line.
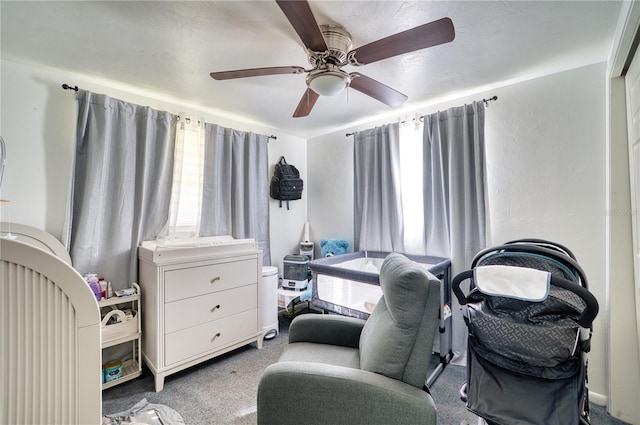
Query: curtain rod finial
x,y
68,87
486,101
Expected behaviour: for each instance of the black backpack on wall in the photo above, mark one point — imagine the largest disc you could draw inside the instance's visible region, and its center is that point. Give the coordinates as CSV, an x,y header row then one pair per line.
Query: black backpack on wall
x,y
286,184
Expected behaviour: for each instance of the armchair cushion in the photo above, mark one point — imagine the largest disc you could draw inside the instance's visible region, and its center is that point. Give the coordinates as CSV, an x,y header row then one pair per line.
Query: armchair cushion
x,y
309,352
326,339
293,393
393,341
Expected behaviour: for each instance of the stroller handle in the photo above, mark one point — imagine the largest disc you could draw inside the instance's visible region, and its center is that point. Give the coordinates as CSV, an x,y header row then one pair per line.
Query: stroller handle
x,y
544,243
455,285
586,318
517,246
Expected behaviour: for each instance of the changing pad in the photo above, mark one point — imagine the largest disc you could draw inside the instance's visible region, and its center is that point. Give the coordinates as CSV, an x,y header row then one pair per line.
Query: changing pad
x,y
173,249
166,244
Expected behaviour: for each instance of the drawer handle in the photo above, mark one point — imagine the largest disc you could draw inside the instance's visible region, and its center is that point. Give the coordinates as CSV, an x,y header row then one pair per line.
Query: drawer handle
x,y
215,308
215,279
215,336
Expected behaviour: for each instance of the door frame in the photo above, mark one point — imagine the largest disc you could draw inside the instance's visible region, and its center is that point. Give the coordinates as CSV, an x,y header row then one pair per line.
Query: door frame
x,y
623,350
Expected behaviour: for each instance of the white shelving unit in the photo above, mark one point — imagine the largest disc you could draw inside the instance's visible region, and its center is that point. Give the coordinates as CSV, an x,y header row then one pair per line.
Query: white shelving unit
x,y
129,332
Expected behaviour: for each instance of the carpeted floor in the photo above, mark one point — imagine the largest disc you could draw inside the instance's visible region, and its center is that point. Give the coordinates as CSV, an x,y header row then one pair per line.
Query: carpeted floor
x,y
223,390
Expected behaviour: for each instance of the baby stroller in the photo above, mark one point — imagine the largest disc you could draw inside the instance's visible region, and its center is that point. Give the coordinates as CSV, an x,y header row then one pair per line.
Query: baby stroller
x,y
529,315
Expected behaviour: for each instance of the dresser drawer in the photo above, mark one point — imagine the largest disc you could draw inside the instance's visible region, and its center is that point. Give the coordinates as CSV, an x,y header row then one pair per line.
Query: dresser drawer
x,y
209,336
190,312
195,281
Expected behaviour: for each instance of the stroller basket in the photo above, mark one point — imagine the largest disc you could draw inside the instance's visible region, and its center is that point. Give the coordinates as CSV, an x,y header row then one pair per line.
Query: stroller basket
x,y
529,314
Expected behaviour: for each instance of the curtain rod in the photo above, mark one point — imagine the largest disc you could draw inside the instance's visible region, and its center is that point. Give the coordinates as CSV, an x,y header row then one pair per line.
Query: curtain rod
x,y
485,101
66,86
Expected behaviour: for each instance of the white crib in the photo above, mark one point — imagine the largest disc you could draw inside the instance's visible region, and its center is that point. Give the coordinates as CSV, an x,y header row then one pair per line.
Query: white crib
x,y
49,335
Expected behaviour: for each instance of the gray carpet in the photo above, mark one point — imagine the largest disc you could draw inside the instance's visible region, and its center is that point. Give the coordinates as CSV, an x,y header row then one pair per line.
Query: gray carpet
x,y
223,390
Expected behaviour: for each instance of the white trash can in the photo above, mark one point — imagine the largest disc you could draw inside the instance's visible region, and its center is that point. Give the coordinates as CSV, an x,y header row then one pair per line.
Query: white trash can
x,y
270,326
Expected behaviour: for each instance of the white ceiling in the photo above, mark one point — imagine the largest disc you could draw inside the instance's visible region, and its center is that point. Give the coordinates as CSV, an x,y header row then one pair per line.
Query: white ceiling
x,y
171,47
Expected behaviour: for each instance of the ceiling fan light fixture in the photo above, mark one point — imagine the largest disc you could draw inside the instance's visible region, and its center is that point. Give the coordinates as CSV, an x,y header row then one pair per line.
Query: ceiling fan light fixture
x,y
328,82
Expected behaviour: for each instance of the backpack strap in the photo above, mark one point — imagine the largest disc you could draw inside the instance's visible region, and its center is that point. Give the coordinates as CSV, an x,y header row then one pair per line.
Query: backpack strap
x,y
282,161
287,204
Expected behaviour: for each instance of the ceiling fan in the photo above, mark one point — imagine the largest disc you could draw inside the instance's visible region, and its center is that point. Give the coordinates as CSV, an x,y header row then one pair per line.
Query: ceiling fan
x,y
329,49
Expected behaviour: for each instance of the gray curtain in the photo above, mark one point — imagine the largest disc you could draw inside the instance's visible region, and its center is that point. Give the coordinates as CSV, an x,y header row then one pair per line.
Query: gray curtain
x,y
454,188
121,184
378,217
236,186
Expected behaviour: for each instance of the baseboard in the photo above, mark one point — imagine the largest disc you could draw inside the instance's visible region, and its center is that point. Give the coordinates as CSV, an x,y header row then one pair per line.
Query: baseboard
x,y
599,399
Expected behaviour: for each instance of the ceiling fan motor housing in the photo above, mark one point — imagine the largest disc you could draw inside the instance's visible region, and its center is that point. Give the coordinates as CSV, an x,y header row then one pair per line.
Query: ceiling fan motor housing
x,y
338,45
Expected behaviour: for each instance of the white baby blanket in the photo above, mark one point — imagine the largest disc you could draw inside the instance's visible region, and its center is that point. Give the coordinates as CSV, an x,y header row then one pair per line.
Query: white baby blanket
x,y
513,282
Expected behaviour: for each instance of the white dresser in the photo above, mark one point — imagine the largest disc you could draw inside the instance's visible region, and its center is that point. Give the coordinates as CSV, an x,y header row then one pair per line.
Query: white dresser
x,y
200,301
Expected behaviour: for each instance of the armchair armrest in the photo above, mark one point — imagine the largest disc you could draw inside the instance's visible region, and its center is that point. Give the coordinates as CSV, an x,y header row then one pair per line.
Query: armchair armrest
x,y
354,396
326,329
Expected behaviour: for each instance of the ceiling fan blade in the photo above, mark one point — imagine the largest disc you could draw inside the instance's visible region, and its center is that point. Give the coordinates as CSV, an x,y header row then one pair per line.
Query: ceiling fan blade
x,y
376,90
309,99
256,72
301,18
427,35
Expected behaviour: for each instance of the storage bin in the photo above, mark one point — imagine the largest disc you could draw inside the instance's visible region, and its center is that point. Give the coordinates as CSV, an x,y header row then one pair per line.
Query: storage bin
x,y
125,327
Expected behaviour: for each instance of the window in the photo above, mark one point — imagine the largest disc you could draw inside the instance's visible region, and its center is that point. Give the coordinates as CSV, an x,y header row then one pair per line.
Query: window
x,y
411,187
186,192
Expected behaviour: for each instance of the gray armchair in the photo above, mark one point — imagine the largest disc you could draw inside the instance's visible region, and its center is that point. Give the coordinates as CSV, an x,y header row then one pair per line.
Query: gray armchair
x,y
342,370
